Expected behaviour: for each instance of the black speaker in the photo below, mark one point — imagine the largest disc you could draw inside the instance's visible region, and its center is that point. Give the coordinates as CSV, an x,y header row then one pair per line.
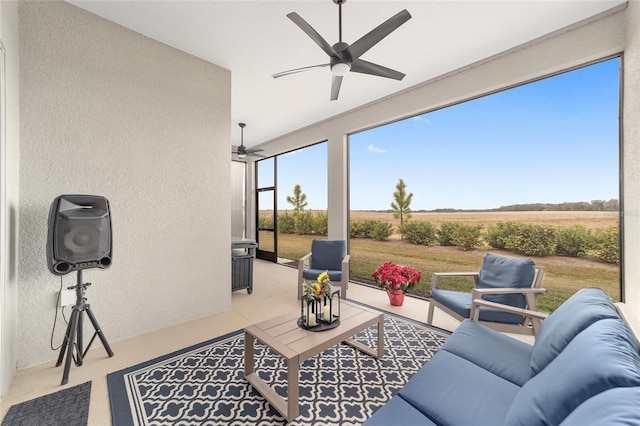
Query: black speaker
x,y
79,234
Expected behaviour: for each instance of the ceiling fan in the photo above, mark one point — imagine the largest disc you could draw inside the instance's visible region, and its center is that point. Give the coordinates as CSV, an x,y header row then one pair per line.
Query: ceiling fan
x,y
242,151
345,57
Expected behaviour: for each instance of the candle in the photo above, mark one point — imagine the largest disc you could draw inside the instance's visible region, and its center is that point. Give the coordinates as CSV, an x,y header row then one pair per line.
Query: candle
x,y
311,321
327,313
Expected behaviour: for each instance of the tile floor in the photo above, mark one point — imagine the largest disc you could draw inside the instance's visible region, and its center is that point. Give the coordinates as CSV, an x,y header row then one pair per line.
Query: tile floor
x,y
268,299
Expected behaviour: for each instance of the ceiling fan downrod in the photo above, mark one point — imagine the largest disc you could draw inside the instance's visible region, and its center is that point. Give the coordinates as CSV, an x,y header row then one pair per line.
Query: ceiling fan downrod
x,y
339,3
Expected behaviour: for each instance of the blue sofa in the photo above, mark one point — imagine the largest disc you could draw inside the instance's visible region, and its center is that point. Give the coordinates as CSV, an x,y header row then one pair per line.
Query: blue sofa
x,y
583,369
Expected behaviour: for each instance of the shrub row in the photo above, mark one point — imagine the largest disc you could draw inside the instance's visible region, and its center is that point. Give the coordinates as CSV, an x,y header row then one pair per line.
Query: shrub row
x,y
374,229
544,240
304,223
449,234
308,223
527,239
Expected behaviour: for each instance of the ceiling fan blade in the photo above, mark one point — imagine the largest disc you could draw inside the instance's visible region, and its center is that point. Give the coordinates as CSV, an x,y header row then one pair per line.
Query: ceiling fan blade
x,y
335,86
252,150
253,154
317,38
369,40
297,70
365,67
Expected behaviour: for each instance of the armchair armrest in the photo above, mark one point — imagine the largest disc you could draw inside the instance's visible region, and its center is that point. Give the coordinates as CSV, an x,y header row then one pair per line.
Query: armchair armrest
x,y
345,263
529,293
477,293
535,316
437,275
477,303
301,262
303,259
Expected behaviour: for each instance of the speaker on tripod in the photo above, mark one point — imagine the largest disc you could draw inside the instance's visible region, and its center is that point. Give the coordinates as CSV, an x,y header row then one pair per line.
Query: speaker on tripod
x,y
79,238
79,234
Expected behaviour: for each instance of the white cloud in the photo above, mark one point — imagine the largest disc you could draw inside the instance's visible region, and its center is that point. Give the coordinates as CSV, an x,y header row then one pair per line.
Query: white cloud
x,y
422,119
374,148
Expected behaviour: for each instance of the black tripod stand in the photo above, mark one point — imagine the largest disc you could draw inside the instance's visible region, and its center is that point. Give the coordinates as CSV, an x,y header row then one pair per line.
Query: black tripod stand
x,y
74,331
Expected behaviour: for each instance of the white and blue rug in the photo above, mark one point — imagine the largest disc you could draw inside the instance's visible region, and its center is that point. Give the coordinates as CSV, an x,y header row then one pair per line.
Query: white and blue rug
x,y
205,385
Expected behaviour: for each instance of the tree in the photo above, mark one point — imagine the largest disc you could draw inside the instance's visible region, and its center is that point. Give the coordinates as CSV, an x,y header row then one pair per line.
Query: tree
x,y
400,205
298,201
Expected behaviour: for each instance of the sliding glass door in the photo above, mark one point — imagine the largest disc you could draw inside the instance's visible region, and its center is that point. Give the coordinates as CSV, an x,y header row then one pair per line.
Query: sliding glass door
x,y
266,210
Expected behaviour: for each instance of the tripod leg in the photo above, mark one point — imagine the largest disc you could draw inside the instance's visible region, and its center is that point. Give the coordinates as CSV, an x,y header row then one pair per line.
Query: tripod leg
x,y
63,348
103,339
73,326
79,340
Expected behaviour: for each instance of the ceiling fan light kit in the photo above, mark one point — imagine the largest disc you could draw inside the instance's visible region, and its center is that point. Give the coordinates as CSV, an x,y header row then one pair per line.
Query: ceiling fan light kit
x,y
345,58
340,68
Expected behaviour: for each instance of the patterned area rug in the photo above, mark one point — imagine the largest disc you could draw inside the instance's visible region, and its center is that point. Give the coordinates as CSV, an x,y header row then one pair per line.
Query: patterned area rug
x,y
205,384
68,407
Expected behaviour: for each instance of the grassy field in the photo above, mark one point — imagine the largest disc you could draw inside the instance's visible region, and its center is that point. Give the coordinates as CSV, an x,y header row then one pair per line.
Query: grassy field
x,y
564,275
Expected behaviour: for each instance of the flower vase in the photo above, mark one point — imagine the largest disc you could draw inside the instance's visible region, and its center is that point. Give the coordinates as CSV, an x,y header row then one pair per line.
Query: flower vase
x,y
396,298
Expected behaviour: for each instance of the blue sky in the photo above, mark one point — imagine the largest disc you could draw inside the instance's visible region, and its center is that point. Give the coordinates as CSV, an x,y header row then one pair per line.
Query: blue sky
x,y
551,141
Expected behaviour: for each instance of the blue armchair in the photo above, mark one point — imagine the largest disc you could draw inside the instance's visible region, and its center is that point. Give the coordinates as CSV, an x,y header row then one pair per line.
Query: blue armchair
x,y
506,288
326,255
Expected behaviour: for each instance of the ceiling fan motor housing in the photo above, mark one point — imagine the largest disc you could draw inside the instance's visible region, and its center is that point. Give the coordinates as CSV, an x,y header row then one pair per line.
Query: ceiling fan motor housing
x,y
342,64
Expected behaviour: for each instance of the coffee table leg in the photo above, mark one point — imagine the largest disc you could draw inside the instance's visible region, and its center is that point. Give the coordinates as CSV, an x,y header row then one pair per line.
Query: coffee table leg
x,y
293,388
249,341
380,337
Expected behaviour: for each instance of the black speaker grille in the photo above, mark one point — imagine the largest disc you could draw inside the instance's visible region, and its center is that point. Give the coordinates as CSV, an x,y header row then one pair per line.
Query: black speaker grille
x,y
79,233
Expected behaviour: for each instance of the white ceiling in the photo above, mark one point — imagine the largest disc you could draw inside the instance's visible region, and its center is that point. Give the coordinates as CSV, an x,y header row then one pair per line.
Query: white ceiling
x,y
255,39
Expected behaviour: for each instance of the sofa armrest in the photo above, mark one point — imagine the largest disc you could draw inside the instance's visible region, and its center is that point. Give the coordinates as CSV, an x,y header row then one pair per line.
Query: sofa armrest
x,y
437,275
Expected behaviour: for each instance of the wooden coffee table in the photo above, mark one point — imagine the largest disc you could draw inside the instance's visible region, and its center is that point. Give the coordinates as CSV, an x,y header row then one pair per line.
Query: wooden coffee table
x,y
296,345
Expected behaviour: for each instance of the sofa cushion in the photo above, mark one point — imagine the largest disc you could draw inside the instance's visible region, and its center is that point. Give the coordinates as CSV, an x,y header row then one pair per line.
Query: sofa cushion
x,y
603,356
500,272
460,303
396,411
451,390
501,355
618,406
577,313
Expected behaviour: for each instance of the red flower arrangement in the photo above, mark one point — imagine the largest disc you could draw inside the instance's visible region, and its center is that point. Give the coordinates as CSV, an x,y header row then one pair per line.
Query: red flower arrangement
x,y
396,277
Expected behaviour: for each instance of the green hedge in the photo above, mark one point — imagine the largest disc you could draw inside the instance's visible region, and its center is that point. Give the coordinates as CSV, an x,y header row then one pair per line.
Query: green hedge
x,y
421,232
304,223
373,229
544,240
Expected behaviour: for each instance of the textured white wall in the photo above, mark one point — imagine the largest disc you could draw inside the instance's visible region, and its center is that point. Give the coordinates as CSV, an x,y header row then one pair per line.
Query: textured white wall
x,y
10,159
107,111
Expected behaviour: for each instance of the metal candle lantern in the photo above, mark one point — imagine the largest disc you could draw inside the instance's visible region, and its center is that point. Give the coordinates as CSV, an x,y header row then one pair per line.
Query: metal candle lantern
x,y
310,307
331,306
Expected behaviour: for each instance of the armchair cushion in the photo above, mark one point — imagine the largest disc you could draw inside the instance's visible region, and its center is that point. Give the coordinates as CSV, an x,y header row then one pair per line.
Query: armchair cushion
x,y
312,274
584,308
460,303
505,272
327,254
